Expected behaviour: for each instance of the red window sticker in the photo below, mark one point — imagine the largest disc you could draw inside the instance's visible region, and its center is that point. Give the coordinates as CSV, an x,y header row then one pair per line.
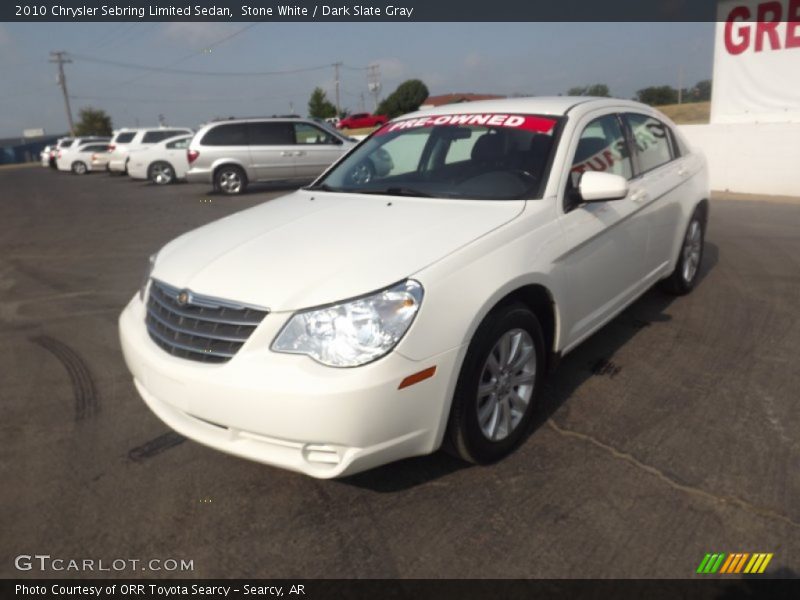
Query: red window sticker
x,y
524,122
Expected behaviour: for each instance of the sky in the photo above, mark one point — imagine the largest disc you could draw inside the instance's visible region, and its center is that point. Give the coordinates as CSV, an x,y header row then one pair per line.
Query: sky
x,y
501,58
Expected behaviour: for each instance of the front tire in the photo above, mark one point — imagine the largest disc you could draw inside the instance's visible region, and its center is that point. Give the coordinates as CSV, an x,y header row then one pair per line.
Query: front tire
x,y
498,386
684,277
79,168
230,180
161,173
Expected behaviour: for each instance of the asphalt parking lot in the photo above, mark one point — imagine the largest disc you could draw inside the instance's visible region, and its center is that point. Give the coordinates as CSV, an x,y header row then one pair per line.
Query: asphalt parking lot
x,y
671,433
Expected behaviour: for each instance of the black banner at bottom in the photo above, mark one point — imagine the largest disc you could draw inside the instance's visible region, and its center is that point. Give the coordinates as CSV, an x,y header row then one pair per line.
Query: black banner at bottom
x,y
391,589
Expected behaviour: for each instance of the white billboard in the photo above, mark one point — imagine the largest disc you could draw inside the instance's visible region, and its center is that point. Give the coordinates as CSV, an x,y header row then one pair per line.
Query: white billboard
x,y
757,62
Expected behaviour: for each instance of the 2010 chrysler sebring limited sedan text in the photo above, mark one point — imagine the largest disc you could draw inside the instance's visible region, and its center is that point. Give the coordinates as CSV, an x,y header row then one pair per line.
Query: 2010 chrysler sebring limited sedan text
x,y
416,292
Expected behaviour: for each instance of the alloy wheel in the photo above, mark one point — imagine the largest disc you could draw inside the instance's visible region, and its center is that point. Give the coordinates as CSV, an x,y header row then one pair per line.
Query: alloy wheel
x,y
162,174
230,182
692,248
506,384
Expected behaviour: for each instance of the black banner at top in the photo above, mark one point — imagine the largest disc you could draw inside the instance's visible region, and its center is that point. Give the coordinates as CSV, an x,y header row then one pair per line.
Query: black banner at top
x,y
359,11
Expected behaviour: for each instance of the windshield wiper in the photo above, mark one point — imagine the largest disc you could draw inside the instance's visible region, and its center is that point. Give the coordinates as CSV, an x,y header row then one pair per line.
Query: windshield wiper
x,y
322,186
397,191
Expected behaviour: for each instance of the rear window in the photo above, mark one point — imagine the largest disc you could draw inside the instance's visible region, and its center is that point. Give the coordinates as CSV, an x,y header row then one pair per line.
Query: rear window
x,y
179,144
151,137
66,144
124,138
95,148
653,143
231,134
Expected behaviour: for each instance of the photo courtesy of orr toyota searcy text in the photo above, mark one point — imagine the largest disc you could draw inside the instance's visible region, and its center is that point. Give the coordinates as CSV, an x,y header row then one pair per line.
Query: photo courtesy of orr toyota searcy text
x,y
156,590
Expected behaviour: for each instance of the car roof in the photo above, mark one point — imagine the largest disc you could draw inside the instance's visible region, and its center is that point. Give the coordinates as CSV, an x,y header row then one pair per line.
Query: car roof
x,y
257,119
537,105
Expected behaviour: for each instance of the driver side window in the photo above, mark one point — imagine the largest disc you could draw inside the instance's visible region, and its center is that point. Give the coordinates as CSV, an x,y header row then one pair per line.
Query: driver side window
x,y
601,147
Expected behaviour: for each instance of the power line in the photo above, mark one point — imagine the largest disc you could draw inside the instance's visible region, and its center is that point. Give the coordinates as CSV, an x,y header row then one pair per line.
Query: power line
x,y
172,71
206,50
58,57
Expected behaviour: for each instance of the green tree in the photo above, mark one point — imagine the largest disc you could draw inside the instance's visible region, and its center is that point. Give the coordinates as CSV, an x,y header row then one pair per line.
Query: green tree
x,y
93,121
596,89
405,99
658,95
319,106
701,92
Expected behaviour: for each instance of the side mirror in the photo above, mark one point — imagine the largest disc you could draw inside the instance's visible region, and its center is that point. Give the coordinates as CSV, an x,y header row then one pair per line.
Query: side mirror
x,y
595,186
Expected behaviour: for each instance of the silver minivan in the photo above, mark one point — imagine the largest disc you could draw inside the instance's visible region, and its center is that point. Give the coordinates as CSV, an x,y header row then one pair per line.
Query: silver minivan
x,y
231,154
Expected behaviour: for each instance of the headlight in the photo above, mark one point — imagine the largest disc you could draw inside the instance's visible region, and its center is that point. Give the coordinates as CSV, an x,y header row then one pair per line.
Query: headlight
x,y
354,332
151,262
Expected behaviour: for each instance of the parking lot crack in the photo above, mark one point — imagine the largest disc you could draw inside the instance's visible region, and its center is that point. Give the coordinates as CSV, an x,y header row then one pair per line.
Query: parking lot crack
x,y
660,475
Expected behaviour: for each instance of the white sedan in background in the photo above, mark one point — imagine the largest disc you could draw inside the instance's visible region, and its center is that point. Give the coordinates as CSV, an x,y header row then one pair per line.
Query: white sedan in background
x,y
82,158
362,320
163,163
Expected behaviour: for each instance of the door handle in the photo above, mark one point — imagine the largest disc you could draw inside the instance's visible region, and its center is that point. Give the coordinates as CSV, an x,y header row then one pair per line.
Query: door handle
x,y
683,171
284,153
299,153
639,196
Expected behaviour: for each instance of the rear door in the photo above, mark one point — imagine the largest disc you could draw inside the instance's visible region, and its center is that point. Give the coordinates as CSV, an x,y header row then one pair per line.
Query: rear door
x,y
662,172
272,149
605,242
175,154
315,149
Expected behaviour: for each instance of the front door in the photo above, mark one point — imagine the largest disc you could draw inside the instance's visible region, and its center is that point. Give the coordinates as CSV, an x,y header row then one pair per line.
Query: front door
x,y
605,242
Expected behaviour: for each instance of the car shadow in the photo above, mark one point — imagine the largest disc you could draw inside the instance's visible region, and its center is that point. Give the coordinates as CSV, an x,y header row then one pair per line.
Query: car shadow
x,y
594,357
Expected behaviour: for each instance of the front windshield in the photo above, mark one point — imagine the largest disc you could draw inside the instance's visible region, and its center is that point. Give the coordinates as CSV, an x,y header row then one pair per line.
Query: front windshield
x,y
474,156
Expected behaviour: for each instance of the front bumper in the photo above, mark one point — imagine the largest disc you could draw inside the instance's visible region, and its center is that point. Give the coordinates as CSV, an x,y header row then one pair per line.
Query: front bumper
x,y
288,410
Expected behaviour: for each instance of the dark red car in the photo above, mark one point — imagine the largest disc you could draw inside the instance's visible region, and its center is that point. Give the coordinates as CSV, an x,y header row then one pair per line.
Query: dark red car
x,y
361,120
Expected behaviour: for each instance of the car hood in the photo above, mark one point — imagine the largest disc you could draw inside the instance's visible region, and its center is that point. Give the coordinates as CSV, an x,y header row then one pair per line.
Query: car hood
x,y
307,249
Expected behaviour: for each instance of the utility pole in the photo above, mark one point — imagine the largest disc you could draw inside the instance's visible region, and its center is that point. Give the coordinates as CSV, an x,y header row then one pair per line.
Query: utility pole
x,y
680,84
336,86
363,106
374,82
58,58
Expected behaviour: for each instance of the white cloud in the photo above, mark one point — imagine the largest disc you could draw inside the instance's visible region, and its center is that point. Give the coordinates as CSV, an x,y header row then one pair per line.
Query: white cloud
x,y
391,68
473,60
196,34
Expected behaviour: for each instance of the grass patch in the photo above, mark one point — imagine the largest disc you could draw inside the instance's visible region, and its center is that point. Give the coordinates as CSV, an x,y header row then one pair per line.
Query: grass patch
x,y
688,114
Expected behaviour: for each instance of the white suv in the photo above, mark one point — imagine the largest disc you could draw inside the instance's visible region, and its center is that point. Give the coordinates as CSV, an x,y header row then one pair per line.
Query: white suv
x,y
360,321
130,140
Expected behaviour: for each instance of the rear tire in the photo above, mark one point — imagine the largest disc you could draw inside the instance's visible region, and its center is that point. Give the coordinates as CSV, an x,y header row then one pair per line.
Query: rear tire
x,y
684,277
79,168
230,180
497,389
161,173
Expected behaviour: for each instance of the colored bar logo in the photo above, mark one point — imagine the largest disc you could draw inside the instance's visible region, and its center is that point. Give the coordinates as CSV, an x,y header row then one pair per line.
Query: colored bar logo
x,y
736,562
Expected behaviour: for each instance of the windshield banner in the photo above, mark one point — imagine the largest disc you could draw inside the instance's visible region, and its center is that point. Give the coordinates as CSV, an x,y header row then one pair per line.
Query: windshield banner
x,y
525,122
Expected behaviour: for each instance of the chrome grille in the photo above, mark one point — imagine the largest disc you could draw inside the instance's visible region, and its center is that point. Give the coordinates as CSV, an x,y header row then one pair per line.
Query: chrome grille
x,y
198,327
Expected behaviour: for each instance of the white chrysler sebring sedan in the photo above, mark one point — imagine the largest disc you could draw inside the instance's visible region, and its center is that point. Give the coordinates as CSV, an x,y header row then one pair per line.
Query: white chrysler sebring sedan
x,y
376,314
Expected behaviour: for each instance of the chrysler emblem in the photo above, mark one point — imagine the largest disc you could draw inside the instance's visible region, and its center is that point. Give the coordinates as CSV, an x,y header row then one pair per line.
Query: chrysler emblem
x,y
183,298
